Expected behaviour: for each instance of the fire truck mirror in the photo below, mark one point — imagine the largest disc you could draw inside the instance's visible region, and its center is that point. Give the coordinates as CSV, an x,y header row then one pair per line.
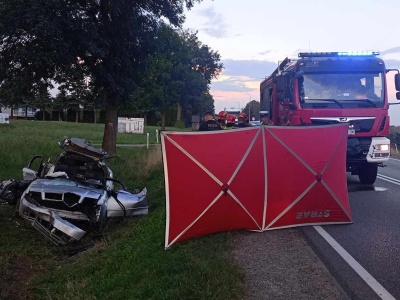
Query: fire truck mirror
x,y
299,74
397,82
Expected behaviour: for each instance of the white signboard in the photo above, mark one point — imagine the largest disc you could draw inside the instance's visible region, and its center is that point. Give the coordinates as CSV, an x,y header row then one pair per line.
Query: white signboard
x,y
131,125
121,125
4,118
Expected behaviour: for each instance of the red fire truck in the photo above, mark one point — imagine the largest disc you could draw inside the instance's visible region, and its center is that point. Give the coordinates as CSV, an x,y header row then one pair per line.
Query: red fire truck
x,y
322,88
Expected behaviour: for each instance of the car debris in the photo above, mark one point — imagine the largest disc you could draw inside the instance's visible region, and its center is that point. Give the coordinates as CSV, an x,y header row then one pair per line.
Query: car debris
x,y
78,187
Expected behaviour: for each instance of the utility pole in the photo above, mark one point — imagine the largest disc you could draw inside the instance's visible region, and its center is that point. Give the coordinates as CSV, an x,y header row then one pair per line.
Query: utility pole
x,y
249,105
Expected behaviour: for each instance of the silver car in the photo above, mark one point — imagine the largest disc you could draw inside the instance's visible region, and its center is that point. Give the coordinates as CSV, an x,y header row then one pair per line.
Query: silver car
x,y
79,186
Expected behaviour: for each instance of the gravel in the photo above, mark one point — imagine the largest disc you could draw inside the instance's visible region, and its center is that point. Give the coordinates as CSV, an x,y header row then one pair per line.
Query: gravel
x,y
279,264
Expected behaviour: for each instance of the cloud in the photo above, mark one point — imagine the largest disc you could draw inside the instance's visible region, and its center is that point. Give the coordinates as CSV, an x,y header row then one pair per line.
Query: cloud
x,y
234,84
254,69
392,63
391,50
264,52
240,80
215,26
228,99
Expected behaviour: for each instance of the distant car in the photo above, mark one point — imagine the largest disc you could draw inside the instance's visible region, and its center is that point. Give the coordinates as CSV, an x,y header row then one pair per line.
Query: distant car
x,y
255,123
79,186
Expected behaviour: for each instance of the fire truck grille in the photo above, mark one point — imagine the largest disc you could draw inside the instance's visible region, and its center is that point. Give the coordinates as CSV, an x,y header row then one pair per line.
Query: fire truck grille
x,y
360,125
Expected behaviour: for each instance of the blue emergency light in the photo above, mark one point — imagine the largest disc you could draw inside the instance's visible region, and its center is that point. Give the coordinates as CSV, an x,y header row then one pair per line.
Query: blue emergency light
x,y
358,53
335,54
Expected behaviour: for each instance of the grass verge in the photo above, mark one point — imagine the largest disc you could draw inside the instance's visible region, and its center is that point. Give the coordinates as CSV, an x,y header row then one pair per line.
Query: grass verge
x,y
394,153
127,260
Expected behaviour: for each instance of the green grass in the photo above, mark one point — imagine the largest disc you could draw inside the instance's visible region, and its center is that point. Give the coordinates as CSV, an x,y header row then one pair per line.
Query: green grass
x,y
394,153
128,260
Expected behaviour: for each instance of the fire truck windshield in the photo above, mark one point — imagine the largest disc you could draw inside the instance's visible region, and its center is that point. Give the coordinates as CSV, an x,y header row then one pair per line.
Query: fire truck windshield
x,y
341,89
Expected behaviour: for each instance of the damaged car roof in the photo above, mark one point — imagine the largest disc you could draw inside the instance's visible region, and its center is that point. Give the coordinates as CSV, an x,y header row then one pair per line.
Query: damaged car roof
x,y
83,147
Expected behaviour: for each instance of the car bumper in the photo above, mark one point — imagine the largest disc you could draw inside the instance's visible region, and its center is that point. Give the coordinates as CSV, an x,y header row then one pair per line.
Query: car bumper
x,y
49,223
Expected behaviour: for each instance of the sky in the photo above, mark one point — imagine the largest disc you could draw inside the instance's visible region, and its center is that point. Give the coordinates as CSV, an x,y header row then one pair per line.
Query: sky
x,y
252,36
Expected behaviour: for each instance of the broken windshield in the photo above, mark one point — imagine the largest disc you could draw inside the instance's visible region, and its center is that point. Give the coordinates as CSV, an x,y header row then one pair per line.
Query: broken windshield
x,y
343,88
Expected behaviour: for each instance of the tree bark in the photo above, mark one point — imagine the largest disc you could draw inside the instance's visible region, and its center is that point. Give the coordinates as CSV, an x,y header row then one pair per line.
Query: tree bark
x,y
179,112
77,116
26,112
163,120
59,116
44,114
110,129
50,111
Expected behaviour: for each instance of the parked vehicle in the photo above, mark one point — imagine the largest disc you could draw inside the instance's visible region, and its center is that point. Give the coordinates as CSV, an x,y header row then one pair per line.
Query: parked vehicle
x,y
79,186
336,87
255,123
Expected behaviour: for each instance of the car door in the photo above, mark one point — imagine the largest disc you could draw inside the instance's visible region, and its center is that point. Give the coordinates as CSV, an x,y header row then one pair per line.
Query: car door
x,y
33,169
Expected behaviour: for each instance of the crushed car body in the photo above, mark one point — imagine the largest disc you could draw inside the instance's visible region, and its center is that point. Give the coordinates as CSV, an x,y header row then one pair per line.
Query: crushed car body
x,y
79,186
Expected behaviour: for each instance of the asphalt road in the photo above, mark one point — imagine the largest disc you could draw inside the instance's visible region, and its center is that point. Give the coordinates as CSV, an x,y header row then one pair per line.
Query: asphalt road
x,y
373,240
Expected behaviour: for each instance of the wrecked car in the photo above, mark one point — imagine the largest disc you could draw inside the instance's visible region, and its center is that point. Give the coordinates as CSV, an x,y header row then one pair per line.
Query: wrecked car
x,y
79,186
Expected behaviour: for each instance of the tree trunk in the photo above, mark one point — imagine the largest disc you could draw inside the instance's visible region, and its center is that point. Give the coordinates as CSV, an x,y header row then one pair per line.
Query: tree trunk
x,y
179,113
77,116
163,120
59,116
26,112
94,116
98,112
44,114
110,129
50,111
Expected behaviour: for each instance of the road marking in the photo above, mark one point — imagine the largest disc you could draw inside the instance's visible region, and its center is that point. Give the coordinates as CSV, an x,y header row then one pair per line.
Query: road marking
x,y
394,158
371,281
389,179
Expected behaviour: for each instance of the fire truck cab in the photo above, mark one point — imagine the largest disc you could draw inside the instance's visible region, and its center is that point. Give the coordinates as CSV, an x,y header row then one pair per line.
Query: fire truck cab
x,y
336,87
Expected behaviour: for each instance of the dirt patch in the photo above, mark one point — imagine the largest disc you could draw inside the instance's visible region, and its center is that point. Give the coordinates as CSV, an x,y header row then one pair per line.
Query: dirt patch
x,y
14,280
279,264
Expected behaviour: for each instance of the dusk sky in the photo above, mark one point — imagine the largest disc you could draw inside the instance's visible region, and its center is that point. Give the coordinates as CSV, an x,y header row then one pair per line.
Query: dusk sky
x,y
252,36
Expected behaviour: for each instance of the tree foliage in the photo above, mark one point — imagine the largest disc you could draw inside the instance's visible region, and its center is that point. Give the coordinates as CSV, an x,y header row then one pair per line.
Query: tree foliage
x,y
394,135
46,41
177,71
252,109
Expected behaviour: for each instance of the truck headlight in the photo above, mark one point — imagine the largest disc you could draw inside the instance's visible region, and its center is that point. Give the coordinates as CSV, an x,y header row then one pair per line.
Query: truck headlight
x,y
382,147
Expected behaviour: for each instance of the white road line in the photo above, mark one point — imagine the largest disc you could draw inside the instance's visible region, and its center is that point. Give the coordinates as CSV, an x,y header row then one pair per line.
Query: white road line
x,y
372,282
389,179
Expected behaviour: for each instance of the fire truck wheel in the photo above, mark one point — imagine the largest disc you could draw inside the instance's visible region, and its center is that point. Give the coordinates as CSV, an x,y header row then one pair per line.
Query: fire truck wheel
x,y
367,173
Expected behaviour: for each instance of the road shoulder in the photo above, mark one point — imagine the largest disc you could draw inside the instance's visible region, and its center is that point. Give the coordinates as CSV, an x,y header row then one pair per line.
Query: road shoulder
x,y
279,264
